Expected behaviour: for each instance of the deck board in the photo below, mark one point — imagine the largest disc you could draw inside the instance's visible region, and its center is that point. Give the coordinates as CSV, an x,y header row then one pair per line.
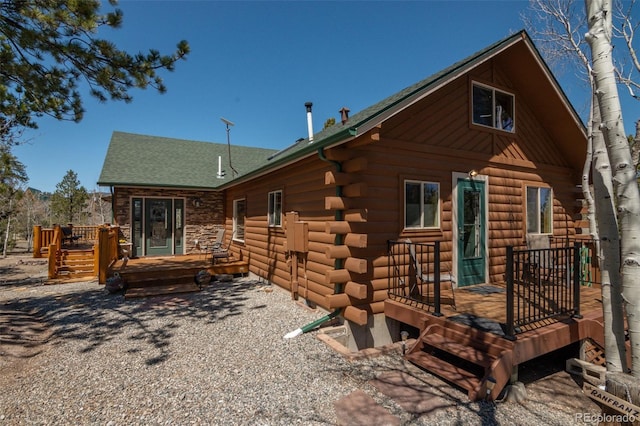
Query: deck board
x,y
492,305
188,261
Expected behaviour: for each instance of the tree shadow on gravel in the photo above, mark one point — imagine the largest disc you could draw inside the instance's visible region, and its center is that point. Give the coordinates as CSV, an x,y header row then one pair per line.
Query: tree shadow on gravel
x,y
95,317
15,270
420,395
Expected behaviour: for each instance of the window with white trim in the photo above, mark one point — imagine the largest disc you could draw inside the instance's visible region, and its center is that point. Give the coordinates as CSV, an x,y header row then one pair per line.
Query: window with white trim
x,y
493,108
421,204
539,210
239,213
275,208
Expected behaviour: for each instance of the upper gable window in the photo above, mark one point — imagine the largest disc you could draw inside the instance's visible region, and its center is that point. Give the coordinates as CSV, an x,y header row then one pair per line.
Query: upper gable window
x,y
493,108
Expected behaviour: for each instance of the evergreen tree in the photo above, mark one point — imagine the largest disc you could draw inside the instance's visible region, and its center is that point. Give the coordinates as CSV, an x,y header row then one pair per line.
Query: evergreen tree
x,y
12,177
69,199
48,46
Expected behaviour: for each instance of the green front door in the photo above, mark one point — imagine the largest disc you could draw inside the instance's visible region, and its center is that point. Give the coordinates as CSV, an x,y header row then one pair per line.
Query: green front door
x,y
159,226
472,237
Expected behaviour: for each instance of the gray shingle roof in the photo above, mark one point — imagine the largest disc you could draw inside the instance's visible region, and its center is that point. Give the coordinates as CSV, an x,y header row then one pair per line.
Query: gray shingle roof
x,y
140,160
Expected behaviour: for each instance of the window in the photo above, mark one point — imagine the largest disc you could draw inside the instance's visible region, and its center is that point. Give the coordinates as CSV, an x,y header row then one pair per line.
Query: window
x,y
421,204
493,108
239,212
275,208
539,210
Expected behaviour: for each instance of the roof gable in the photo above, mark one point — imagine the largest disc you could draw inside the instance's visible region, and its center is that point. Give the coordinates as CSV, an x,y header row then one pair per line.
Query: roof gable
x,y
521,46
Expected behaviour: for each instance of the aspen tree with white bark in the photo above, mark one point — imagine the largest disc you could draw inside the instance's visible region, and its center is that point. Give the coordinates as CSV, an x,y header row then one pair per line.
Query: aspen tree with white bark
x,y
558,26
627,195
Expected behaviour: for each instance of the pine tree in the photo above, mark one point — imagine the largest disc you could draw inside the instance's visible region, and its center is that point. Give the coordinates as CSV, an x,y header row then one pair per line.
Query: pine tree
x,y
48,46
69,199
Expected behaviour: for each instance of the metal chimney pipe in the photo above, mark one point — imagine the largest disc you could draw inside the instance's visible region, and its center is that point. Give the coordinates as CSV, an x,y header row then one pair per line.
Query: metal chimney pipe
x,y
309,120
344,114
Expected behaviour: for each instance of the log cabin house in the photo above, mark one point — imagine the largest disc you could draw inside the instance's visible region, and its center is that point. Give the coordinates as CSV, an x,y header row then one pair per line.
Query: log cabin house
x,y
475,157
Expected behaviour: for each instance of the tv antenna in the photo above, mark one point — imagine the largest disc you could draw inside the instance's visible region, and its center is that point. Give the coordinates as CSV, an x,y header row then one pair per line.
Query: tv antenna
x,y
229,124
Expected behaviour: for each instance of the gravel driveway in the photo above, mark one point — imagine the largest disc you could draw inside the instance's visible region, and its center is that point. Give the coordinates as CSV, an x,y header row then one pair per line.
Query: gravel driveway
x,y
74,354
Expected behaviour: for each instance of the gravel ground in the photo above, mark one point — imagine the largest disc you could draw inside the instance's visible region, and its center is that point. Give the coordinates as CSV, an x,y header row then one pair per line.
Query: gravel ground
x,y
74,354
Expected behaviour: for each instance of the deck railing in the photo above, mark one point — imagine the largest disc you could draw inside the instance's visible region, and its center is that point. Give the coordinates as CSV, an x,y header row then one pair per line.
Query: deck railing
x,y
43,238
414,273
87,233
542,284
589,266
103,239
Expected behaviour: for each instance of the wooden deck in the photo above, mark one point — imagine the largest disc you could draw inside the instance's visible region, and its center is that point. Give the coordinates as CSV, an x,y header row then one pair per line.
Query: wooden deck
x,y
148,276
489,301
467,345
187,261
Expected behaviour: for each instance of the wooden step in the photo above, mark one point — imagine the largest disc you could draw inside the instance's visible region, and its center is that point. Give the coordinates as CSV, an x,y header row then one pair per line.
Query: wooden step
x,y
460,350
84,254
78,269
82,260
492,343
76,261
158,274
451,373
160,290
155,281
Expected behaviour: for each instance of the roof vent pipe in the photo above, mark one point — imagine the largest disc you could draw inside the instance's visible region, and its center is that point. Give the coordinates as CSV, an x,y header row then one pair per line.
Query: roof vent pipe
x,y
344,114
309,120
220,171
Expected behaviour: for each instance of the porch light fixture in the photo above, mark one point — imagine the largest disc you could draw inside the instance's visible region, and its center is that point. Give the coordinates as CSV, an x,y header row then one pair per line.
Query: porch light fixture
x,y
473,173
196,202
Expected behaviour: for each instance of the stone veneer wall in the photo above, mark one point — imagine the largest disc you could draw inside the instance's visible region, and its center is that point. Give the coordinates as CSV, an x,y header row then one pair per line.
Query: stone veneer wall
x,y
201,223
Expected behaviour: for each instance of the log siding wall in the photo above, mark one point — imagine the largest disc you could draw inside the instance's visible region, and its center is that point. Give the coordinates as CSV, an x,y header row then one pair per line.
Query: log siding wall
x,y
428,141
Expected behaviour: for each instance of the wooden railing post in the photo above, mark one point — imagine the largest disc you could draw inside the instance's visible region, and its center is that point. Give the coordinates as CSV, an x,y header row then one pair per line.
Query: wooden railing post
x,y
52,259
103,254
511,330
96,253
57,237
37,241
96,258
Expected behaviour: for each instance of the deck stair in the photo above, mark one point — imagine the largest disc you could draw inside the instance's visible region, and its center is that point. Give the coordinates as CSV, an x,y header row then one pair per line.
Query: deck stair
x,y
463,356
74,264
151,276
159,282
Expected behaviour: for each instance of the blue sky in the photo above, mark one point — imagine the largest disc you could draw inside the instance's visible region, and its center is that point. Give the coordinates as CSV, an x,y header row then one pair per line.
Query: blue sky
x,y
257,63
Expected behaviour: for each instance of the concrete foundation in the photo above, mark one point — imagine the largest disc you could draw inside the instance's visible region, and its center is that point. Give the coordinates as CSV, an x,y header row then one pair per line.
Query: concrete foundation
x,y
379,331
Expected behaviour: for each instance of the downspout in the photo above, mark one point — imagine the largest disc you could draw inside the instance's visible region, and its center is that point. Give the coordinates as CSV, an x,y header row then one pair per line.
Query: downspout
x,y
338,263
